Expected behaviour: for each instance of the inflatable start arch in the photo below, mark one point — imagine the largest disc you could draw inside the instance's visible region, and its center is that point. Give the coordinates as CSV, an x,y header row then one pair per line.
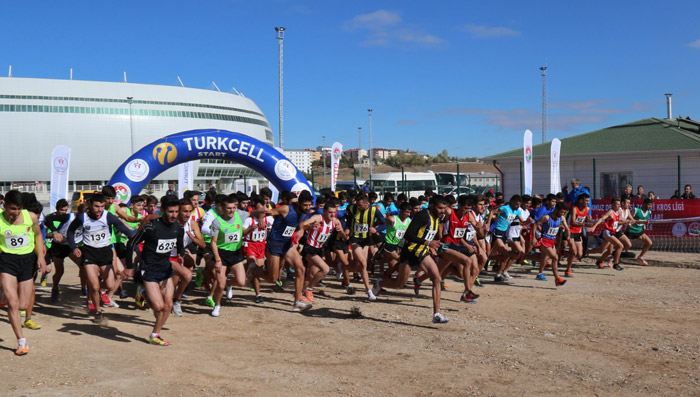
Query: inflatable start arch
x,y
156,157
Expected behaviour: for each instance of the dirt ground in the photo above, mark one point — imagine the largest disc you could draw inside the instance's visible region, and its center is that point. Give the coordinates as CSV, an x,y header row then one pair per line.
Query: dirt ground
x,y
634,332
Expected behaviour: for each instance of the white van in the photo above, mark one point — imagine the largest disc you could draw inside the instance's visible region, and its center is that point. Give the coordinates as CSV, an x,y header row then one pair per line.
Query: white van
x,y
414,184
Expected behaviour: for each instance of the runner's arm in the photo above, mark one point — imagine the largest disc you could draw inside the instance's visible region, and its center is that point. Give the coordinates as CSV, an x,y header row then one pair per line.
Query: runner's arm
x,y
421,219
121,213
603,218
51,218
119,225
380,223
39,247
77,222
135,240
196,235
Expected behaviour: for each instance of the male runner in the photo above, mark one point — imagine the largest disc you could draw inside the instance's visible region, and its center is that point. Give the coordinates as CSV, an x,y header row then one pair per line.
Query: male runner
x,y
22,249
419,252
160,237
57,224
96,253
255,243
192,240
550,225
636,231
579,220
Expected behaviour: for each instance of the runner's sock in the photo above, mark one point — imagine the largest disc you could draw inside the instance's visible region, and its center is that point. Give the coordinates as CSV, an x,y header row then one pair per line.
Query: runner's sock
x,y
21,342
153,335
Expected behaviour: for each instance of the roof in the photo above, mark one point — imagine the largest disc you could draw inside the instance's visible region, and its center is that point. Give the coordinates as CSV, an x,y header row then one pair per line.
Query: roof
x,y
645,135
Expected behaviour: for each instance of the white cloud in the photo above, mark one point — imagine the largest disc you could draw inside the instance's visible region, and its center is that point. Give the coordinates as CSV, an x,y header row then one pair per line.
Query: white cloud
x,y
487,32
695,44
384,28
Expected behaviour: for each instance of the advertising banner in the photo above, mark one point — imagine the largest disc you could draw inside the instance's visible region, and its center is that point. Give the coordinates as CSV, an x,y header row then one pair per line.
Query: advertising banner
x,y
185,177
555,179
336,154
60,164
677,218
527,162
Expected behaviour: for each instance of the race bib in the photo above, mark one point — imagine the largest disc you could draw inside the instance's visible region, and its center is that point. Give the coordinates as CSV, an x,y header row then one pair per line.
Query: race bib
x,y
460,233
469,236
323,238
232,237
511,217
95,237
400,233
289,231
259,235
430,235
361,228
17,241
166,246
615,226
553,231
580,219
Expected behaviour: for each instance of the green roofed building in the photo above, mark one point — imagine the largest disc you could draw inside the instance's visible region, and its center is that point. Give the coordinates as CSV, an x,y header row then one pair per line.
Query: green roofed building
x,y
659,154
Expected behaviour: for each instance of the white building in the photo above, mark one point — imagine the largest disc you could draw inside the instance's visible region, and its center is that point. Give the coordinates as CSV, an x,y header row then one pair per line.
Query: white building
x,y
383,154
662,155
301,158
355,154
97,121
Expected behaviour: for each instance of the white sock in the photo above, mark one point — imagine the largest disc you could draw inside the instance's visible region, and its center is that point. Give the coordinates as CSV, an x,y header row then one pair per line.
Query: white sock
x,y
210,297
217,307
21,342
153,335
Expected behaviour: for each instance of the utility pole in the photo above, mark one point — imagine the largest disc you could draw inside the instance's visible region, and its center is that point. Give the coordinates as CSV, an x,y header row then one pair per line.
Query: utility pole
x,y
371,152
359,147
280,39
544,103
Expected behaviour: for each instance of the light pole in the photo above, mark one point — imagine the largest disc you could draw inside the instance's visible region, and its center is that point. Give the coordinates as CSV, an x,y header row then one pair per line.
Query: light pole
x,y
323,158
371,152
359,147
131,122
544,103
280,39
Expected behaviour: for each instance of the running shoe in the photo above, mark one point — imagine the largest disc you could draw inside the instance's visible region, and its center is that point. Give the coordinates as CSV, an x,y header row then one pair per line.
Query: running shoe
x,y
300,306
371,296
22,350
251,287
105,299
478,283
377,289
527,262
123,294
559,282
642,261
610,261
466,299
83,292
22,313
113,303
177,309
259,299
541,277
443,286
199,277
599,264
349,290
209,301
140,298
90,306
29,324
54,295
43,280
309,294
99,319
440,319
416,285
472,295
229,292
215,311
506,276
618,267
157,340
499,278
568,273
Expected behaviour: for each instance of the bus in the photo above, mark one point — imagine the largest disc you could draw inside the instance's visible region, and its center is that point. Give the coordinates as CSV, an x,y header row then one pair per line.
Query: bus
x,y
414,184
447,183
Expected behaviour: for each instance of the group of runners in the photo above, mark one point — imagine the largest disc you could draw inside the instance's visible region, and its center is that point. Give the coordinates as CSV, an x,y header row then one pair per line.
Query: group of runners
x,y
171,245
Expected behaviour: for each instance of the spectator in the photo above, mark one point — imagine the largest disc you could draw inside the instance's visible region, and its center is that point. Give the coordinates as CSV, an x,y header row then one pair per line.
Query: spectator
x,y
688,194
652,195
640,193
212,188
676,195
570,197
171,191
627,193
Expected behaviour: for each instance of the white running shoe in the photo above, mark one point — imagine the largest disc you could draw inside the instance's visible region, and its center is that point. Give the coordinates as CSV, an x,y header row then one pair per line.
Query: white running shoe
x,y
440,319
371,296
506,276
300,306
215,312
375,290
229,292
177,309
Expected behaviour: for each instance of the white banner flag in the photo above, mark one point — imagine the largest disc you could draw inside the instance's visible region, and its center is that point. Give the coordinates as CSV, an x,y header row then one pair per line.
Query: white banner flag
x,y
527,162
555,180
185,177
336,154
60,162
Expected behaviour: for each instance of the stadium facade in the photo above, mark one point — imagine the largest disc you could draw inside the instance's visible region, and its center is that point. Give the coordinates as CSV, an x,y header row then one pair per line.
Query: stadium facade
x,y
97,121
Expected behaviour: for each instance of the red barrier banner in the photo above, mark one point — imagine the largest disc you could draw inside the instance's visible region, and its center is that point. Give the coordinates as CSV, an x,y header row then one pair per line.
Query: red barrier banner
x,y
676,218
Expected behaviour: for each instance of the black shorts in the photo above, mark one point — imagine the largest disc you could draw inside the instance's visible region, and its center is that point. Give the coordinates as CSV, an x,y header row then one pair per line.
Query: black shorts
x,y
390,247
157,275
633,236
411,259
576,236
499,234
455,247
378,238
340,245
60,251
192,247
120,249
362,242
97,256
312,251
21,266
279,248
230,258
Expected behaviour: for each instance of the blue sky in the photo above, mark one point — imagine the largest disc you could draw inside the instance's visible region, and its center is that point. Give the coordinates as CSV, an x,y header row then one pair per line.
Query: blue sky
x,y
456,75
